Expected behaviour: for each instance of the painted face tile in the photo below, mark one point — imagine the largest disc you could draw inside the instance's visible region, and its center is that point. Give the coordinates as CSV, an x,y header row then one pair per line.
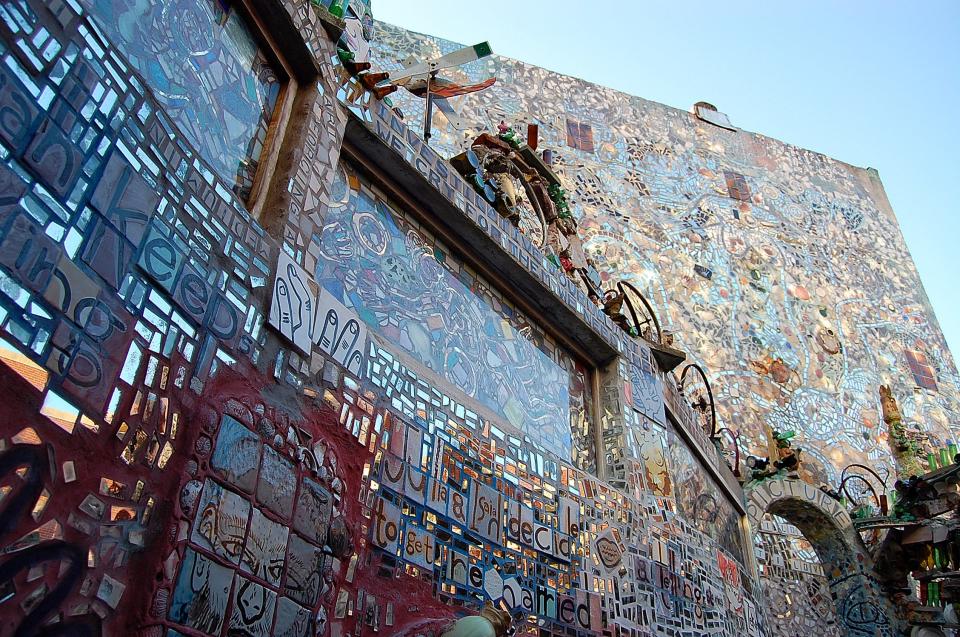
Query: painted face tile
x,y
264,549
220,523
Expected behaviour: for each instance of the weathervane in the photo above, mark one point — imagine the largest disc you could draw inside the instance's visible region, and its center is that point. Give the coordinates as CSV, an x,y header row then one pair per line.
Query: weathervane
x,y
420,78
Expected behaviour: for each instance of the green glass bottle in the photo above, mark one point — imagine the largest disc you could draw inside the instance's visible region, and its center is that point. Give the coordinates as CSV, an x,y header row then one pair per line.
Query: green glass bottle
x,y
339,7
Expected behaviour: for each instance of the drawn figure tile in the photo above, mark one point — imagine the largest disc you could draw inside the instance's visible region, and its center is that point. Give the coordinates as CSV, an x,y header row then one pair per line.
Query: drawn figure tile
x,y
293,620
277,483
264,549
305,565
647,391
110,591
201,593
221,521
253,607
294,303
237,454
312,516
656,469
340,332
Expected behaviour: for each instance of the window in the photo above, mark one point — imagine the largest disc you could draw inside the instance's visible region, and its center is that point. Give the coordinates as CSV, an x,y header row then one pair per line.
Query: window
x,y
923,372
579,136
423,300
709,113
737,187
213,71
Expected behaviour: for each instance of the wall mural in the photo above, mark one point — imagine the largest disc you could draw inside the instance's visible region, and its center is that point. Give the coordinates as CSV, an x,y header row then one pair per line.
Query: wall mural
x,y
701,501
736,240
409,288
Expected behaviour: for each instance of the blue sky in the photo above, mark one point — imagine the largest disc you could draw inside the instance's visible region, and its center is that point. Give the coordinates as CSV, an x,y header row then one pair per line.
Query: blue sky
x,y
870,83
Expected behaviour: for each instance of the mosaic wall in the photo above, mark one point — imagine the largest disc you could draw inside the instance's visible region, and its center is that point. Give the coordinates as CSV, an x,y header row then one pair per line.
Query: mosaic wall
x,y
636,395
130,275
701,501
636,386
485,518
211,429
738,241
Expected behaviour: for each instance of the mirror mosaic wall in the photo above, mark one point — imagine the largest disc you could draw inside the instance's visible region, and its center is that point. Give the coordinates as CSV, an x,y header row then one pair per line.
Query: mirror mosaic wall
x,y
781,271
330,426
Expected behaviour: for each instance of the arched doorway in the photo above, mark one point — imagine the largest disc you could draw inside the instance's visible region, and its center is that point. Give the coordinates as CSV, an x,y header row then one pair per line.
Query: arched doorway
x,y
795,588
861,609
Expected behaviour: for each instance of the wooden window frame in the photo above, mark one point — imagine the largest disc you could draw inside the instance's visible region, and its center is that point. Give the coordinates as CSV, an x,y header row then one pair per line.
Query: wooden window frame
x,y
280,118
